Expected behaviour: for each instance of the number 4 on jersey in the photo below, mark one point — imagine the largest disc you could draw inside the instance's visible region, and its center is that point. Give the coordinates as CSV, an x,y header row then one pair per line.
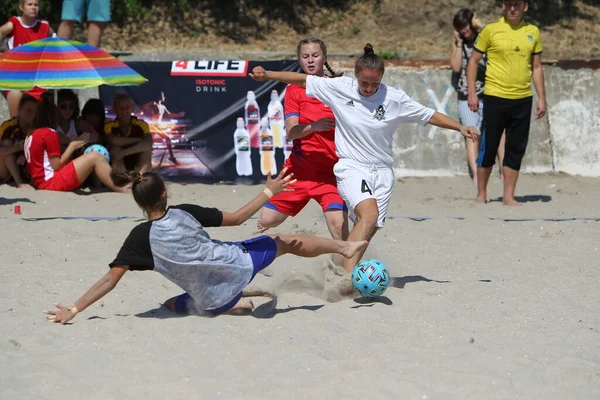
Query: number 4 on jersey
x,y
364,188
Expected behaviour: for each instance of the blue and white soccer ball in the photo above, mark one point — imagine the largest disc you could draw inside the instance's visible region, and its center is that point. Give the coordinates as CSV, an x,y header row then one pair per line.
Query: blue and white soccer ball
x,y
370,278
100,149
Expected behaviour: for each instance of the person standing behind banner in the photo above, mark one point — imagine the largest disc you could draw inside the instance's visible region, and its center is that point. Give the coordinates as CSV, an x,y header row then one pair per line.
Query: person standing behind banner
x,y
513,49
97,14
466,29
129,138
20,30
311,124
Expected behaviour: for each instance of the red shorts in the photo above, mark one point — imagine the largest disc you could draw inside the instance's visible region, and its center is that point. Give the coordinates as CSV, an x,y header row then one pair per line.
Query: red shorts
x,y
64,180
324,192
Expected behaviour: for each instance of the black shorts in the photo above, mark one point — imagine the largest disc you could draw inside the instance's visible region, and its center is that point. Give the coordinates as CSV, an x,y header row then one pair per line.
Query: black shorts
x,y
500,114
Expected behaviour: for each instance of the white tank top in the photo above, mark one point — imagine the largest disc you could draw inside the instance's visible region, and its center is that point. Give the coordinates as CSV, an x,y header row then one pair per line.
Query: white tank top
x,y
72,134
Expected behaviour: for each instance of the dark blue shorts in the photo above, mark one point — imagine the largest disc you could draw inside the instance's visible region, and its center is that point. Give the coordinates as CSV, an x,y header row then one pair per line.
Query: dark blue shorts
x,y
262,250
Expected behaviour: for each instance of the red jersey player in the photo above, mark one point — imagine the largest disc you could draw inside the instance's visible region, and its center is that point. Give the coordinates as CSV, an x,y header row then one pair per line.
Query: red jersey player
x,y
311,124
20,30
51,170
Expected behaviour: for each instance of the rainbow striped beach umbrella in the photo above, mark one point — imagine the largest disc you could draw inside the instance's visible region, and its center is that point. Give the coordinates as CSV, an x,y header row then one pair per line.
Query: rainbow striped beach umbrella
x,y
55,63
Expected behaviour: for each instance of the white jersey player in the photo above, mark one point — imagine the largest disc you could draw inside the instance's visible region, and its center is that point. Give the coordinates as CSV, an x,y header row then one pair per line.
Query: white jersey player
x,y
367,114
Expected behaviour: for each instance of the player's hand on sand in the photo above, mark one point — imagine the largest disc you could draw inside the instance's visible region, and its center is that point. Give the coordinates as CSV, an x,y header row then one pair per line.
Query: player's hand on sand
x,y
540,109
473,102
258,74
62,316
470,132
324,124
281,182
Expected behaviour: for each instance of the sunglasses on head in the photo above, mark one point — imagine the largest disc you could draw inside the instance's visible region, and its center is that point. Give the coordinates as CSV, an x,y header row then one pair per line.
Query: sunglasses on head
x,y
66,106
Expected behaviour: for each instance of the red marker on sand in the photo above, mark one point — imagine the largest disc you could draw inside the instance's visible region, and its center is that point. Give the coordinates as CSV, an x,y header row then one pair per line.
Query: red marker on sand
x,y
17,209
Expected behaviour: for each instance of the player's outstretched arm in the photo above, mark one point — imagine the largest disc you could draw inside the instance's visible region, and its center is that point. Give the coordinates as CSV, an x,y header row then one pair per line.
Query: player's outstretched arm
x,y
293,78
444,121
95,293
274,186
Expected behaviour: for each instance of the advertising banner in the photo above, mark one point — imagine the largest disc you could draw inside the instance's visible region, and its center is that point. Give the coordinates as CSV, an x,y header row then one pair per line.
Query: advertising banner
x,y
209,120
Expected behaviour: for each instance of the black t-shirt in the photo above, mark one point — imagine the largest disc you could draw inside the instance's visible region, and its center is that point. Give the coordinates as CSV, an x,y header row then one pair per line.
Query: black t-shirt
x,y
136,251
459,79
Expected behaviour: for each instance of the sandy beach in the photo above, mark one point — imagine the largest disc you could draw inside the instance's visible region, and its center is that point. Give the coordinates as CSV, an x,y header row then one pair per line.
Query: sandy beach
x,y
486,302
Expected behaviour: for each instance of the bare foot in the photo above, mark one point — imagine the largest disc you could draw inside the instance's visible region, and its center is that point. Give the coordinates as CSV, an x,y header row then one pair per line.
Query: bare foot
x,y
351,248
242,307
480,200
24,186
260,228
511,203
170,304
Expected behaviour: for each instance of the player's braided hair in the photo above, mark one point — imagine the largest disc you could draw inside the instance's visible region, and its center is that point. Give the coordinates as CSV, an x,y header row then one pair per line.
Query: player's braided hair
x,y
323,49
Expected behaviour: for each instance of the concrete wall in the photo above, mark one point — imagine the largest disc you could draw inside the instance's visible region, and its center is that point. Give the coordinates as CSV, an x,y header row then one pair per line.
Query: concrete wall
x,y
567,140
574,118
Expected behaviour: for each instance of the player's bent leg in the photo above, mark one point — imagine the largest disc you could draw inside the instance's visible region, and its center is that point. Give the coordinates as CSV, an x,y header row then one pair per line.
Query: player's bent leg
x,y
242,307
182,304
337,223
313,246
367,214
95,162
269,218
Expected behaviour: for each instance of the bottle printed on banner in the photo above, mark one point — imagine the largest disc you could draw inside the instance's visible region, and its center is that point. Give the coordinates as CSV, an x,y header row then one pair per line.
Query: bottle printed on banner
x,y
275,113
267,151
289,145
252,119
241,141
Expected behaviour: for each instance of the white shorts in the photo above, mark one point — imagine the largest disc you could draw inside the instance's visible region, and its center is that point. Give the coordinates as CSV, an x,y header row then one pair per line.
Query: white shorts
x,y
357,182
468,117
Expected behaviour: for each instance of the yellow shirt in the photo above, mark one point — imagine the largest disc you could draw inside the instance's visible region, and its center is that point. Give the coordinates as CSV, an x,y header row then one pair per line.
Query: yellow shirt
x,y
10,130
509,51
137,129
